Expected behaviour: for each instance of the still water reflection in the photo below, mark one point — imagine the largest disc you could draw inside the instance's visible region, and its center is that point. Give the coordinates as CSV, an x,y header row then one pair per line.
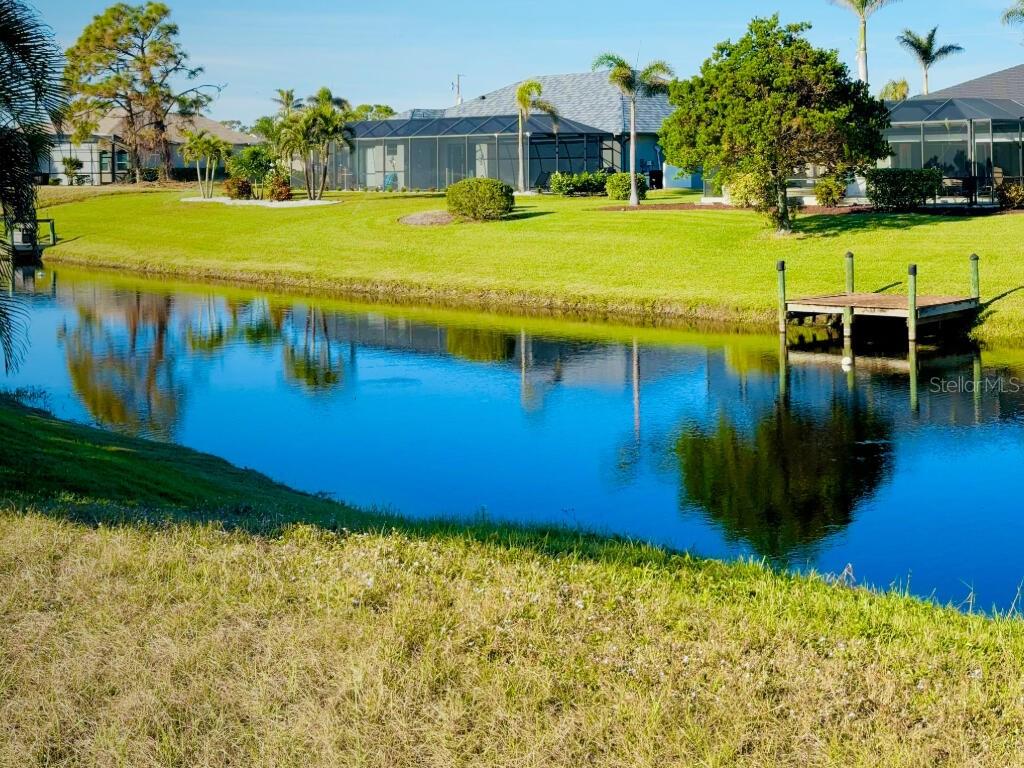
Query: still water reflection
x,y
715,443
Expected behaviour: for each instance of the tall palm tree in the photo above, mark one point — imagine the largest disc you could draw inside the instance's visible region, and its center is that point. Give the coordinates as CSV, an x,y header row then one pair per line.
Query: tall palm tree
x,y
632,83
1014,14
286,102
32,96
863,9
527,100
926,51
895,90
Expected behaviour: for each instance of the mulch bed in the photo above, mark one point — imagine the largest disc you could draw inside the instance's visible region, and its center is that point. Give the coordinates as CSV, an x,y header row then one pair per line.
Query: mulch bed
x,y
427,219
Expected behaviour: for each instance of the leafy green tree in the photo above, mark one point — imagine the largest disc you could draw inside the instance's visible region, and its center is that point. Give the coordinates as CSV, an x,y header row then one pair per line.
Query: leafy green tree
x,y
895,90
649,81
789,481
527,100
128,58
926,50
32,97
372,112
253,164
864,10
770,104
202,147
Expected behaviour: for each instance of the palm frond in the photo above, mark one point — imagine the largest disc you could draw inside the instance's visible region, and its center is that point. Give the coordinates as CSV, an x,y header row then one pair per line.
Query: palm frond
x,y
923,46
655,78
863,8
1014,14
32,97
526,93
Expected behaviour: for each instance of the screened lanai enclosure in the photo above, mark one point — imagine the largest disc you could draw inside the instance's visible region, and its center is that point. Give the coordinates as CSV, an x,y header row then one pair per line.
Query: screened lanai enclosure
x,y
424,154
977,143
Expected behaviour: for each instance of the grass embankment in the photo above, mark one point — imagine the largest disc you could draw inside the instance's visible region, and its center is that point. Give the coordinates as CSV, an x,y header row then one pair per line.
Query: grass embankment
x,y
178,611
567,255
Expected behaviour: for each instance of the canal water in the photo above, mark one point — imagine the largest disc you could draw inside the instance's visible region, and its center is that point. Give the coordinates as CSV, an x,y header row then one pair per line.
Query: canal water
x,y
717,443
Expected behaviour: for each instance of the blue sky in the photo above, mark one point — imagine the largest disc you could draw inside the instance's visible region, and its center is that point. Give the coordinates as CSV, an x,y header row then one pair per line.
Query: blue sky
x,y
407,52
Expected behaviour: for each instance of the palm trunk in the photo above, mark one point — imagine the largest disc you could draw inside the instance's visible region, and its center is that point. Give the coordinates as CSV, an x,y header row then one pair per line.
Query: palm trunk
x,y
862,50
925,70
323,173
634,193
522,171
199,180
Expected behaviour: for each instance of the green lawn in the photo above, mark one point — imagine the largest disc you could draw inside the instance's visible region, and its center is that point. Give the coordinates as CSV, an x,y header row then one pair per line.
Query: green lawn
x,y
160,607
555,254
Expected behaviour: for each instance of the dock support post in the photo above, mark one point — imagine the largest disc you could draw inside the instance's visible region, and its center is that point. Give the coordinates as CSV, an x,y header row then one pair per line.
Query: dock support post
x,y
848,311
912,359
783,314
912,304
975,278
783,368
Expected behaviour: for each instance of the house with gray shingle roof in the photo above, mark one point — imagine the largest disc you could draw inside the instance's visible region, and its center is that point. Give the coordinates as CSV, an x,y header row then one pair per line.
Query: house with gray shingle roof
x,y
430,149
971,131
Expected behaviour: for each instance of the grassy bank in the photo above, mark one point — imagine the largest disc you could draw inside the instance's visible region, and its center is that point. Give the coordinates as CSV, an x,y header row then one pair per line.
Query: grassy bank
x,y
566,255
174,610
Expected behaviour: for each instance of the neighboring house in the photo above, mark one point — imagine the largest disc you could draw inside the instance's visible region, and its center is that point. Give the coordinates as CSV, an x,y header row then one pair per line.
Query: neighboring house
x,y
431,149
972,131
105,156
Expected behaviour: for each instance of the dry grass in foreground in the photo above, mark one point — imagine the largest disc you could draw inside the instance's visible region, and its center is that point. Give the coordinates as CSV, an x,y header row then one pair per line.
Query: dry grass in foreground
x,y
139,634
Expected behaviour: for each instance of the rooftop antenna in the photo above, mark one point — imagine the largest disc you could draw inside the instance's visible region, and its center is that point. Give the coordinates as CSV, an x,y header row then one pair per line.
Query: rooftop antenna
x,y
457,87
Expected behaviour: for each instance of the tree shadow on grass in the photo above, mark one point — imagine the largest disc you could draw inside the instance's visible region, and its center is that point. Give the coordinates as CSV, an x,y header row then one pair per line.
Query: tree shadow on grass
x,y
831,225
985,311
518,215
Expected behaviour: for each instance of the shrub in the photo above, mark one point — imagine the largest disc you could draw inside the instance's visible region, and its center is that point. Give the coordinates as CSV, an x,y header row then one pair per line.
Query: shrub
x,y
829,191
617,186
480,199
750,190
1010,194
55,181
149,174
903,189
72,165
277,188
583,183
238,189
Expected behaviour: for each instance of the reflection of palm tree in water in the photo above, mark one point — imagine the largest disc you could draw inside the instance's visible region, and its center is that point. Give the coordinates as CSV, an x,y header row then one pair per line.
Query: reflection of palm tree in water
x,y
791,481
128,383
311,362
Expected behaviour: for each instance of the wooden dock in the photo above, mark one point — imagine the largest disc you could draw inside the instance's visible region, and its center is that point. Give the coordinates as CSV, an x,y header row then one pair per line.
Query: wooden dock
x,y
915,309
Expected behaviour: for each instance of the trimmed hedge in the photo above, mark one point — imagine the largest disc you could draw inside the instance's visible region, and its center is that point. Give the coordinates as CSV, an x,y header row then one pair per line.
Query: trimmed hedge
x,y
617,186
480,199
903,189
578,184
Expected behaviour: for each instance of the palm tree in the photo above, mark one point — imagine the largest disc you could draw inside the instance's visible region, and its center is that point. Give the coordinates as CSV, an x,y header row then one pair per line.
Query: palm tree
x,y
32,96
864,9
649,81
528,99
202,147
324,97
895,90
310,134
924,48
1014,14
286,102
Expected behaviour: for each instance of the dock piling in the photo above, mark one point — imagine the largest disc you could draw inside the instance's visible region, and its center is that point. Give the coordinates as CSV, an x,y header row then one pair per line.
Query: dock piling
x,y
783,314
848,311
975,277
912,303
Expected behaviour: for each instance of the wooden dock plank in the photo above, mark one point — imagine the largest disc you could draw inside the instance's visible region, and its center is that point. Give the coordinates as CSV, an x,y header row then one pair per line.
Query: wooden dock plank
x,y
882,305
